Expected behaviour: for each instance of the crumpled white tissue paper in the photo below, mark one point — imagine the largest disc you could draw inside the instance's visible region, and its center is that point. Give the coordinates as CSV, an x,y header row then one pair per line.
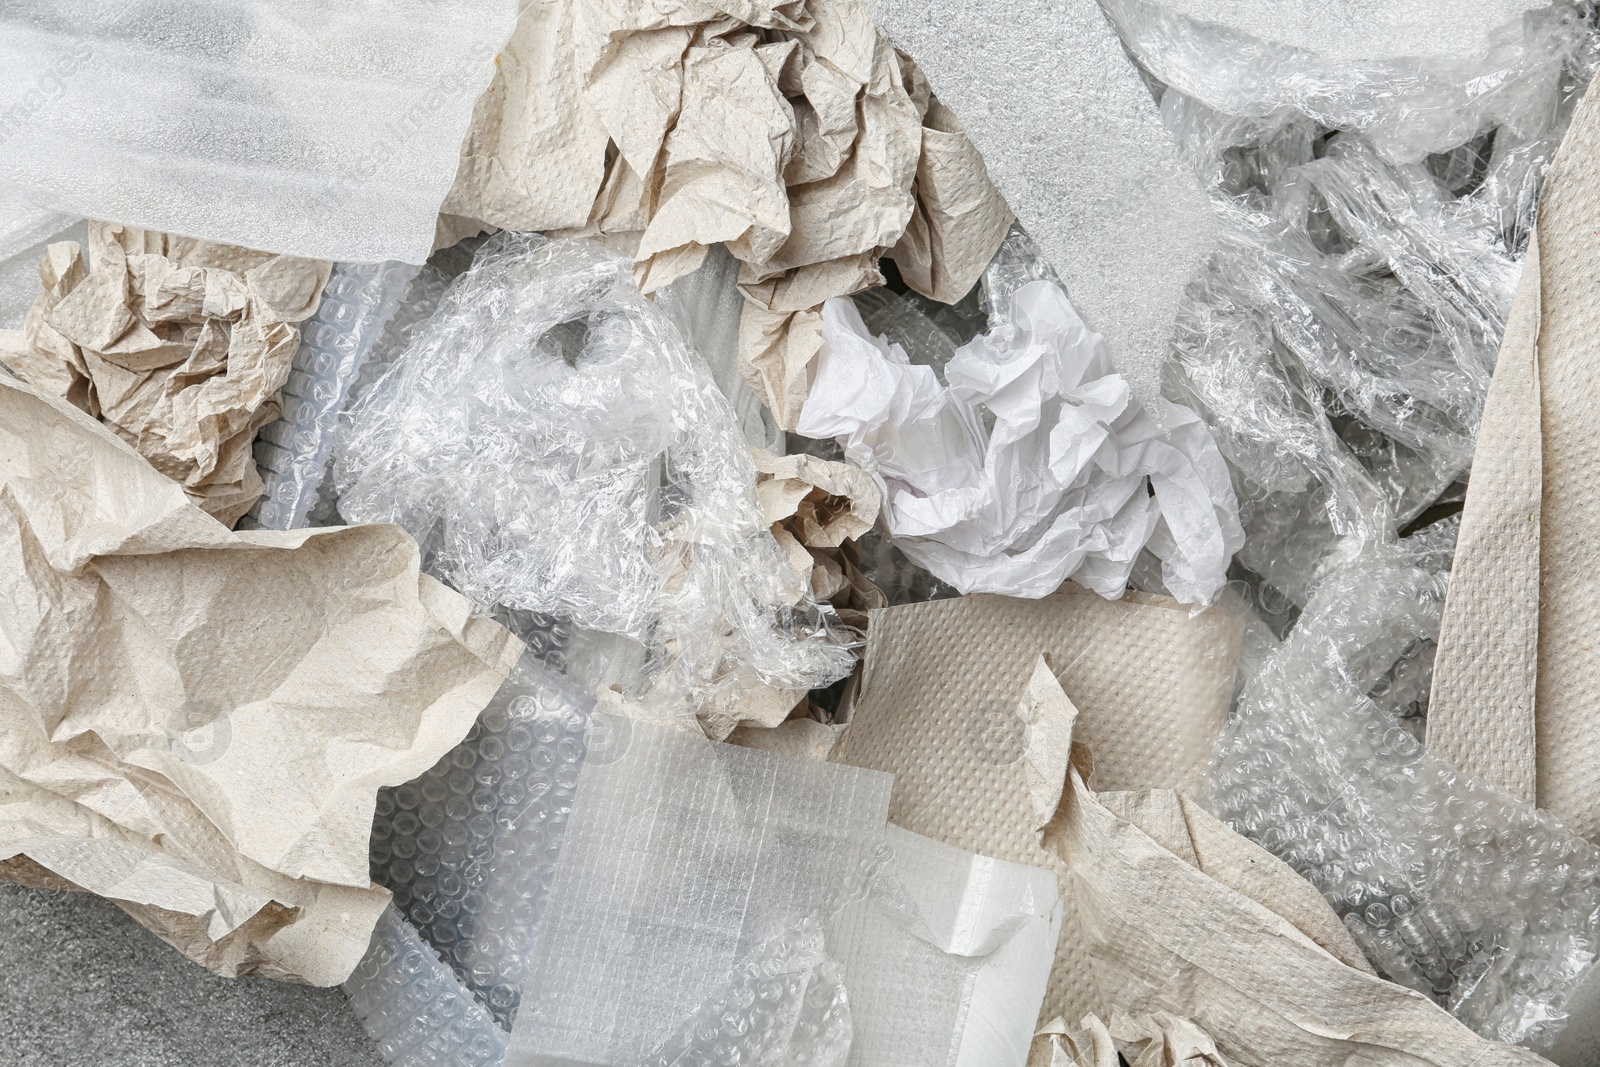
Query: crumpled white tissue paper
x,y
1073,479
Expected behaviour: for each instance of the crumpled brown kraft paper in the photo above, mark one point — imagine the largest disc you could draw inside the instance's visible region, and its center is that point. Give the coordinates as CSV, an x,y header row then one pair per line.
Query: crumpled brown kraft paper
x,y
1517,666
815,507
797,738
195,723
1167,926
1161,1039
955,703
1088,1044
178,345
791,131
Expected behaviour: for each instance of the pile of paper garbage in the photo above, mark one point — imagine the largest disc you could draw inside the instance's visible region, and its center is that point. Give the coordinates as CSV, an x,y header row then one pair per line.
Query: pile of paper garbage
x,y
834,532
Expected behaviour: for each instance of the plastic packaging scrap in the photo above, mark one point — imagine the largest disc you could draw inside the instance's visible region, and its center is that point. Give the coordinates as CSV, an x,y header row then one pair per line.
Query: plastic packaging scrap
x,y
789,929
293,109
414,1007
178,345
1341,342
696,854
1355,29
1019,459
25,229
705,306
293,453
468,848
946,960
1450,887
554,446
1072,139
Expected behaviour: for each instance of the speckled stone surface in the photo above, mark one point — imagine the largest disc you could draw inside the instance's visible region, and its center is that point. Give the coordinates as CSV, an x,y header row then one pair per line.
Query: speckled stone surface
x,y
83,985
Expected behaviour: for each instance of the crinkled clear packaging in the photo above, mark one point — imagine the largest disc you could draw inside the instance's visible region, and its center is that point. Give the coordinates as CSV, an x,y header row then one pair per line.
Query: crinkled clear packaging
x,y
555,447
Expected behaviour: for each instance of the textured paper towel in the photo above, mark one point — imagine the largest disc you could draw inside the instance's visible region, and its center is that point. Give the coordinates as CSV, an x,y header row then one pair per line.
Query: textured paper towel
x,y
1164,933
1517,660
195,723
946,705
1073,140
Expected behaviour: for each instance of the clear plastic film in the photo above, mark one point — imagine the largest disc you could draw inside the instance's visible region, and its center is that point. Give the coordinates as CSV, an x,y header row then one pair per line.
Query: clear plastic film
x,y
1019,459
415,1008
555,448
1481,902
1341,341
705,305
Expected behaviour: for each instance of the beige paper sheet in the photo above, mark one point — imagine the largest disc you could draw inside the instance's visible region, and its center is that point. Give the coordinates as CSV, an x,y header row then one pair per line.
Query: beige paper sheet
x,y
950,703
1162,933
1517,666
195,723
792,132
178,345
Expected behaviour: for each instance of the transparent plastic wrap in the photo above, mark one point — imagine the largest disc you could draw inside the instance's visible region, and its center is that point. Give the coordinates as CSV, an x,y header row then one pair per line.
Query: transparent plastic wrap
x,y
1410,108
1341,341
740,902
556,448
414,308
23,242
1450,887
292,453
681,863
1019,460
705,305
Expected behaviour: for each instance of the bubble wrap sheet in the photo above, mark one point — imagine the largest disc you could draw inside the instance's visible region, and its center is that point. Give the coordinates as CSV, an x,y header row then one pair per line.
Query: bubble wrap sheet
x,y
681,859
1448,885
323,129
468,849
1364,29
555,447
1070,135
414,1007
292,454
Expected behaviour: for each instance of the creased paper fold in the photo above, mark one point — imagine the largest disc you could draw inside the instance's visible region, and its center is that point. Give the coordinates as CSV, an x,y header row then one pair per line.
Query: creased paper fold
x,y
195,723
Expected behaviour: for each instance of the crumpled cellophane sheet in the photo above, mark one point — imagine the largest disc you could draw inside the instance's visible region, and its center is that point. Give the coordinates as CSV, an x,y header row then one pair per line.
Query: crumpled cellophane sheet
x,y
179,346
327,129
195,723
556,448
1340,343
791,130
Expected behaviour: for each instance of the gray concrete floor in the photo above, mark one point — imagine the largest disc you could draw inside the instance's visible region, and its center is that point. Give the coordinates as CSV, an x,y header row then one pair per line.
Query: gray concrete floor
x,y
83,985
